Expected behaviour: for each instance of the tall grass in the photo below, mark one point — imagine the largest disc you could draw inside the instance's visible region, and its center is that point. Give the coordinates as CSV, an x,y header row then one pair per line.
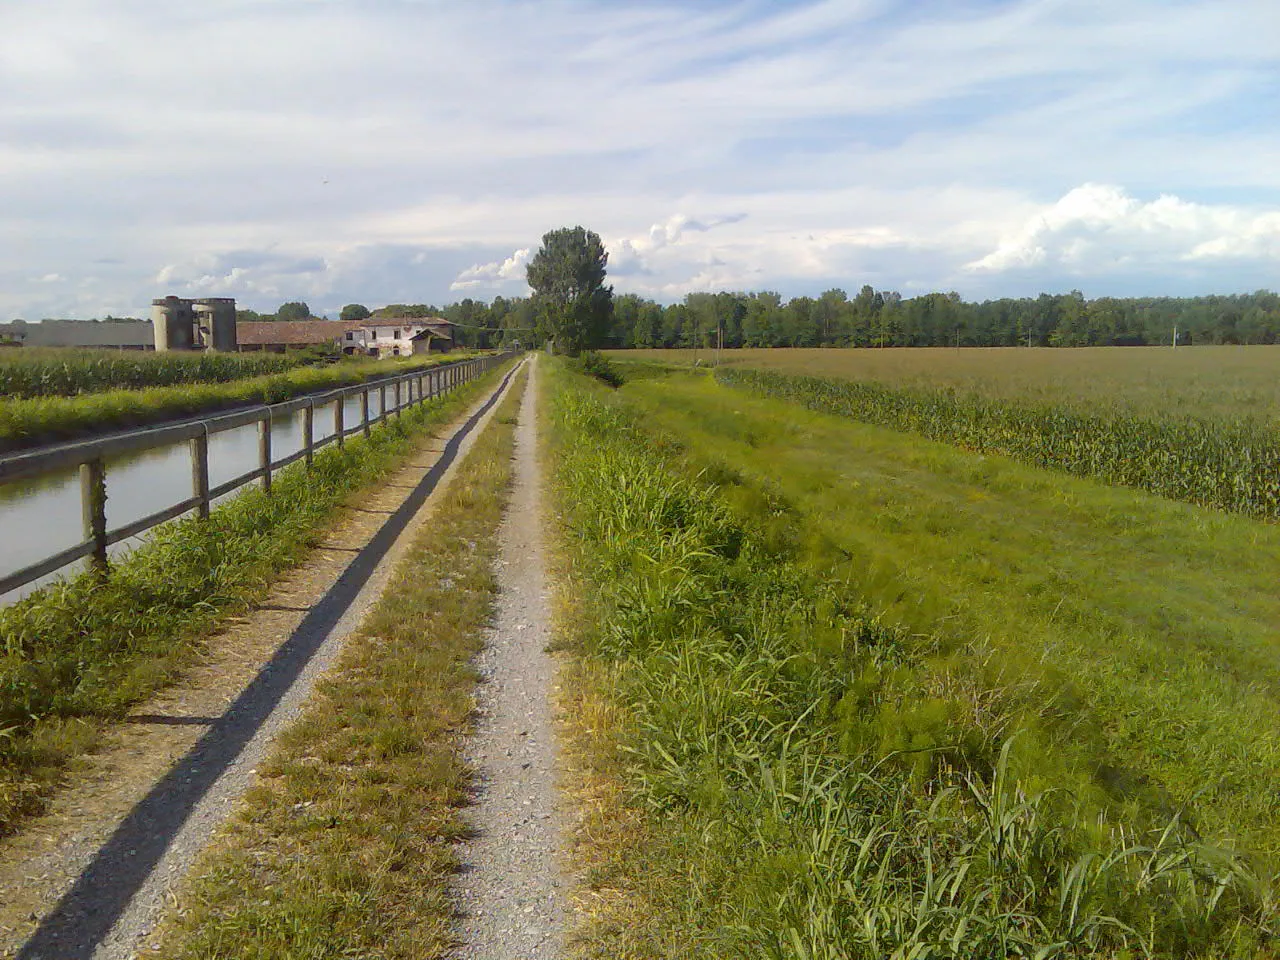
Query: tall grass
x,y
1230,466
35,372
799,794
80,652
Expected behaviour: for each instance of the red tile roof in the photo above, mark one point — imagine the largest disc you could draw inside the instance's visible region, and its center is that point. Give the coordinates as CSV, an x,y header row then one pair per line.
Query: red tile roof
x,y
295,333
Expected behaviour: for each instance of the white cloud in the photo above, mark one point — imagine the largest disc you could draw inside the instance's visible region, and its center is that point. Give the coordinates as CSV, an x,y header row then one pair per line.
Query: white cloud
x,y
859,140
495,274
1099,228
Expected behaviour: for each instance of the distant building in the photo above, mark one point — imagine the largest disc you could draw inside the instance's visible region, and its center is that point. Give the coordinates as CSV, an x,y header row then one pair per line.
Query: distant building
x,y
103,334
399,336
206,323
277,336
434,339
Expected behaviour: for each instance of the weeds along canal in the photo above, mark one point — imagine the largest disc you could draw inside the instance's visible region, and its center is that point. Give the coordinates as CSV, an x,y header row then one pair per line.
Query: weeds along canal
x,y
41,516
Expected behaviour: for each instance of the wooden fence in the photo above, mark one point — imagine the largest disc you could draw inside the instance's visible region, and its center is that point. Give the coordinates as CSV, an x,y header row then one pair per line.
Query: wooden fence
x,y
91,456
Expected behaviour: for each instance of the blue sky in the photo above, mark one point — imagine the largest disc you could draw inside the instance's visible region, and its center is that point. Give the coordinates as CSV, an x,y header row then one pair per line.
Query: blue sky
x,y
378,151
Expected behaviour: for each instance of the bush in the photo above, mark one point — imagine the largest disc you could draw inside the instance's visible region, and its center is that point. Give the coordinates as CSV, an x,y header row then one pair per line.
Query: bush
x,y
594,364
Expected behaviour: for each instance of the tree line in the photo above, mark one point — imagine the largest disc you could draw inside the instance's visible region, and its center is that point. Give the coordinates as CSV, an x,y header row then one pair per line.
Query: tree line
x,y
875,318
572,305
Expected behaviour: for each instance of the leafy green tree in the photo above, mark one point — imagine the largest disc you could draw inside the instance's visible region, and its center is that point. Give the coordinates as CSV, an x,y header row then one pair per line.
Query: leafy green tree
x,y
354,311
294,310
575,307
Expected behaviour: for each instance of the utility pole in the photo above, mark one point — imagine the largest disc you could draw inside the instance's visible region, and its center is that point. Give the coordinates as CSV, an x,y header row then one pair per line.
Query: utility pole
x,y
1175,338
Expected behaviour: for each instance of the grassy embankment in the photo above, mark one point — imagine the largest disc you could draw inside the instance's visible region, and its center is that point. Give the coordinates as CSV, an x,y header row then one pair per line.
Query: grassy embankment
x,y
344,848
79,653
60,372
845,692
39,420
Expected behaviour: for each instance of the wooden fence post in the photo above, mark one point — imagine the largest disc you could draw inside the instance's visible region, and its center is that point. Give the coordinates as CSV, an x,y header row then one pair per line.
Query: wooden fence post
x,y
397,399
264,451
200,474
339,419
364,410
309,431
93,507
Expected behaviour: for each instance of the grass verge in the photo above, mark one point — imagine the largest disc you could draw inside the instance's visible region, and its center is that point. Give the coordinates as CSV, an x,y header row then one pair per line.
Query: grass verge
x,y
345,845
769,768
34,421
79,653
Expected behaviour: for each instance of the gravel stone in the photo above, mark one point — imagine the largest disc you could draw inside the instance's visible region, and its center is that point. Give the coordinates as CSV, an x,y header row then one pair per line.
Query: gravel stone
x,y
511,888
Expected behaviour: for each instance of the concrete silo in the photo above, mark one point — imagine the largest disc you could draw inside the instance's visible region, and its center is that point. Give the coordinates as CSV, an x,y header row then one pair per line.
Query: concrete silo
x,y
173,324
217,317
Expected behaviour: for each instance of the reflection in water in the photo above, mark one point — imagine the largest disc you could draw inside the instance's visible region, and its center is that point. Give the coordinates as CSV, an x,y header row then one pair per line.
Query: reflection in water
x,y
41,516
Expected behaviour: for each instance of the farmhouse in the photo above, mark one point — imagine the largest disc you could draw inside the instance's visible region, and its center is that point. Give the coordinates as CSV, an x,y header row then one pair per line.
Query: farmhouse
x,y
399,336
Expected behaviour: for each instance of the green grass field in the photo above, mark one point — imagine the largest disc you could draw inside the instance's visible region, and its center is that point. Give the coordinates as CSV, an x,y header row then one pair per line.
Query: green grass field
x,y
1154,382
851,664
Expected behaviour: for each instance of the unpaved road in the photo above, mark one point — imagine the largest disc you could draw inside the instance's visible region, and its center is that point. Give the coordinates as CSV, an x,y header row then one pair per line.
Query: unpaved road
x,y
511,887
91,878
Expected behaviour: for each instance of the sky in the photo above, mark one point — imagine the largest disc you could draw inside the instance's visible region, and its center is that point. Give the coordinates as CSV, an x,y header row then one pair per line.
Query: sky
x,y
380,151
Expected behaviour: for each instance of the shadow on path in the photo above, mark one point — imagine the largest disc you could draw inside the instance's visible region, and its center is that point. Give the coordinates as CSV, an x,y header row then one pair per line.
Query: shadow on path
x,y
84,917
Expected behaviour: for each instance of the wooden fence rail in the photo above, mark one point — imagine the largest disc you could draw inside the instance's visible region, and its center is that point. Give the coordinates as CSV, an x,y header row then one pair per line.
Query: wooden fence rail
x,y
91,456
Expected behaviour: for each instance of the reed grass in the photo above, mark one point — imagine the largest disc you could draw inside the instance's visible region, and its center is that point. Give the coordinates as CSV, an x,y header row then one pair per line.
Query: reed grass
x,y
79,653
799,775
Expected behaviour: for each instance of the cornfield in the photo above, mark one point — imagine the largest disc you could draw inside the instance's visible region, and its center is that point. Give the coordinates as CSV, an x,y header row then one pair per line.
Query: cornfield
x,y
1231,466
808,791
30,373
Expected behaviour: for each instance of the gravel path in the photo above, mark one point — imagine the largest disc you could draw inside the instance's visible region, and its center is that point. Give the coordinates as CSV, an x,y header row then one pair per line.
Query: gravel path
x,y
125,878
511,887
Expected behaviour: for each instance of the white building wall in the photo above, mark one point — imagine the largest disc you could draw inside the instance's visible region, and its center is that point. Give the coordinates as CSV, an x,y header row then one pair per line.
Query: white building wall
x,y
389,340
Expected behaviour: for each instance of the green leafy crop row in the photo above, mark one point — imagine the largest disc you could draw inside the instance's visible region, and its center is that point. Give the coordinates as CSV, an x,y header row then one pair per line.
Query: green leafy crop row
x,y
1229,466
67,373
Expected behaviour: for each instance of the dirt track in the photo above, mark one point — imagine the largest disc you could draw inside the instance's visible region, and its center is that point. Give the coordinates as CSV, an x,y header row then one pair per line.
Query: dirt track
x,y
91,877
511,887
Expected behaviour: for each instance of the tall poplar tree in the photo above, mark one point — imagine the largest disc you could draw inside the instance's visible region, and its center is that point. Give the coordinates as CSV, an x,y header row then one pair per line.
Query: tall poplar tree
x,y
567,274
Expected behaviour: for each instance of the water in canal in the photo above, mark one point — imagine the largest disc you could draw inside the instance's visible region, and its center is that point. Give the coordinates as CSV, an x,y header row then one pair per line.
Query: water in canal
x,y
40,517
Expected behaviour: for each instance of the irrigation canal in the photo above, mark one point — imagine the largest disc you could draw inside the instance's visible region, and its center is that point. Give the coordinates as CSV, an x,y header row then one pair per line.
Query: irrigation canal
x,y
42,516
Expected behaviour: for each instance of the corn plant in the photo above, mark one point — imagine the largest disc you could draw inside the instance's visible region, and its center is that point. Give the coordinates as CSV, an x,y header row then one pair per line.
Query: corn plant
x,y
1231,466
65,373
